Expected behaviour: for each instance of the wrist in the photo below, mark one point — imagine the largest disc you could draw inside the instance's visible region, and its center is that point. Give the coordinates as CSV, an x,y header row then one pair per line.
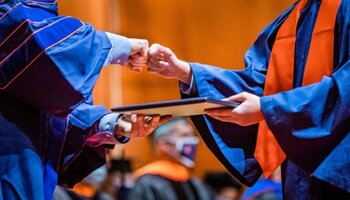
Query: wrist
x,y
109,123
119,51
121,130
185,72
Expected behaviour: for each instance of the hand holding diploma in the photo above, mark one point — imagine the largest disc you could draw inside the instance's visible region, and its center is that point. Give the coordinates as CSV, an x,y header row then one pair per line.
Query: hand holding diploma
x,y
138,125
247,113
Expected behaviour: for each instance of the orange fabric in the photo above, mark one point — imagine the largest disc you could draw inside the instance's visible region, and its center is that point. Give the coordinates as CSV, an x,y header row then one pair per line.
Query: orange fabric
x,y
84,190
280,72
166,169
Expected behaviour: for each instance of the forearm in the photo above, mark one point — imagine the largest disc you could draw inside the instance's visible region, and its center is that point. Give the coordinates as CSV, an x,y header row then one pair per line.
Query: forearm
x,y
220,83
184,72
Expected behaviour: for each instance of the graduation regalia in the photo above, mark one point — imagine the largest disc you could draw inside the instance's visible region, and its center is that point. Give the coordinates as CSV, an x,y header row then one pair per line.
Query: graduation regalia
x,y
48,68
310,123
157,181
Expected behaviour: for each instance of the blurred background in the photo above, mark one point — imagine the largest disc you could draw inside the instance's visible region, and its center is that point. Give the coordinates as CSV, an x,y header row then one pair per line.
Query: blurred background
x,y
206,31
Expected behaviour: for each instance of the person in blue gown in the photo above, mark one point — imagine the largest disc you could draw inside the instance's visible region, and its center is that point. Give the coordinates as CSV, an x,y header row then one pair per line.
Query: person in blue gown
x,y
310,123
50,131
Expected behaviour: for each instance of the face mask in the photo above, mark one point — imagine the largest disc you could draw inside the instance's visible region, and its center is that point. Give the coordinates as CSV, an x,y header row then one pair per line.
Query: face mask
x,y
186,149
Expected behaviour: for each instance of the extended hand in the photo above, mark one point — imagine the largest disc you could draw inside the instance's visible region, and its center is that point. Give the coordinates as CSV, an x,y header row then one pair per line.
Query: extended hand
x,y
138,125
139,54
163,62
247,113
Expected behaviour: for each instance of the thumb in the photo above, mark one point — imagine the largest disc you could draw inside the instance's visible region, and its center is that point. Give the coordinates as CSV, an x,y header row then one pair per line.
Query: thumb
x,y
238,97
239,109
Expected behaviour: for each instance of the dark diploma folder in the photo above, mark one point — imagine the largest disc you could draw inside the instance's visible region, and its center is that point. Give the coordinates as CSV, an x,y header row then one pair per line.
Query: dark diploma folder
x,y
183,107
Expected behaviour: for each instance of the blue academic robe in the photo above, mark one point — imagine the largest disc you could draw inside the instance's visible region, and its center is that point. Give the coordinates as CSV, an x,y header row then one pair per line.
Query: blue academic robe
x,y
311,123
48,67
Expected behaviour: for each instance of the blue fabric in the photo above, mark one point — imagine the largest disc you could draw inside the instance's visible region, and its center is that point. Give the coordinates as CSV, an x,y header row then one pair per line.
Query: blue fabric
x,y
232,144
85,115
335,168
13,183
50,180
20,163
26,47
48,67
13,50
308,122
306,23
263,186
81,70
120,50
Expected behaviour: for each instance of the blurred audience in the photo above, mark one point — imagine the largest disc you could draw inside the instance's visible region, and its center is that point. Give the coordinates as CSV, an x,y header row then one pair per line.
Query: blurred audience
x,y
169,176
265,189
88,189
120,179
226,187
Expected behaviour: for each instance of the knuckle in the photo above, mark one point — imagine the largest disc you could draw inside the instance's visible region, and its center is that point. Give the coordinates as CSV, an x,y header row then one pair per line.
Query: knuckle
x,y
156,45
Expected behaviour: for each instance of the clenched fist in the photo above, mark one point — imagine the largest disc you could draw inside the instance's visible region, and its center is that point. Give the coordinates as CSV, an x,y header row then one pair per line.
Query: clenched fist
x,y
139,54
163,62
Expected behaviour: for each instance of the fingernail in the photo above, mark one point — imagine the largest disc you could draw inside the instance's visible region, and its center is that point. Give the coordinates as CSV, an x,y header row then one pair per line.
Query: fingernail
x,y
133,118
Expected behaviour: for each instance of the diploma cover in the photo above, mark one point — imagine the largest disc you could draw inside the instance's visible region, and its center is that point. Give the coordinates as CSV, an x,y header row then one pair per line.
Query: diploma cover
x,y
183,107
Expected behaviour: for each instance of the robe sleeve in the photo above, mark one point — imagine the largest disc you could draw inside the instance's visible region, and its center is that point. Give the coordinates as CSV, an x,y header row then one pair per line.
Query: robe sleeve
x,y
232,144
53,62
84,143
50,61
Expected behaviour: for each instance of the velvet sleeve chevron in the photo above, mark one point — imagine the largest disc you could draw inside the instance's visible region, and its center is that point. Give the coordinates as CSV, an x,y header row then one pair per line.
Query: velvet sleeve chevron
x,y
49,61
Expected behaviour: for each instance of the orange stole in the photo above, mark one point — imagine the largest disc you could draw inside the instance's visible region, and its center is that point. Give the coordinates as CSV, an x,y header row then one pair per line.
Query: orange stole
x,y
280,72
166,169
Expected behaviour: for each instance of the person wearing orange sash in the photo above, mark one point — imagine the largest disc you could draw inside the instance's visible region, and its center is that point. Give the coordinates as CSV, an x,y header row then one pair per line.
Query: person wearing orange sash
x,y
294,96
169,176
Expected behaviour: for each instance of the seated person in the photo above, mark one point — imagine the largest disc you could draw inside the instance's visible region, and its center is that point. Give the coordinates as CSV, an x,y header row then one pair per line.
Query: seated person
x,y
87,189
120,179
169,176
226,187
